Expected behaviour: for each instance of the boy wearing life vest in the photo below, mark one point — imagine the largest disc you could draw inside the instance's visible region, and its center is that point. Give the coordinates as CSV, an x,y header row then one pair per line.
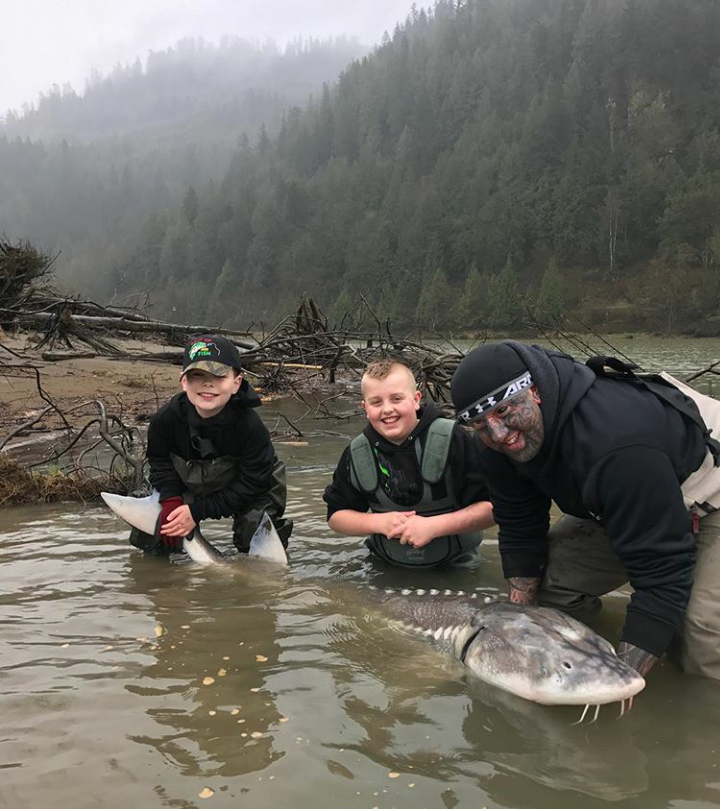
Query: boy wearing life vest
x,y
411,480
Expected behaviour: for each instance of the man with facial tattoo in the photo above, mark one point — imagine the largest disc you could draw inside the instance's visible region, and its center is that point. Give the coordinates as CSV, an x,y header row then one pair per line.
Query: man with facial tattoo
x,y
634,469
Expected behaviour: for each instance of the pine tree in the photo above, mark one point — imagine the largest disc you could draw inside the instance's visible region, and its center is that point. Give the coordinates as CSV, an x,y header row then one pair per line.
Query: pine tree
x,y
471,308
550,303
340,307
224,302
433,306
191,205
504,299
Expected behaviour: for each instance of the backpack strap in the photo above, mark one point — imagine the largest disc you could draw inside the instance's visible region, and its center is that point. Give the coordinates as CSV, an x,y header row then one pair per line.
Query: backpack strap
x,y
598,365
661,388
432,456
363,467
436,449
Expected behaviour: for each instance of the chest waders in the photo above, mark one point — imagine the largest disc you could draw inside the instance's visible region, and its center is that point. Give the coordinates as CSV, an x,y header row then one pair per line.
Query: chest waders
x,y
432,455
203,476
206,476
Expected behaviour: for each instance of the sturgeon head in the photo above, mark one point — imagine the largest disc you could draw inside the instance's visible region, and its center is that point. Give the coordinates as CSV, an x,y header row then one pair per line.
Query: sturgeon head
x,y
546,656
143,512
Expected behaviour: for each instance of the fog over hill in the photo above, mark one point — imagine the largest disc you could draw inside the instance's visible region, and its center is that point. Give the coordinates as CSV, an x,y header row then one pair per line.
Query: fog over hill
x,y
43,42
82,175
193,85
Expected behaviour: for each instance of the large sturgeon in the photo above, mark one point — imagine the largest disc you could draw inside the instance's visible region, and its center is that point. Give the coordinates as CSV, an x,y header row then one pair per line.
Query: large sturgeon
x,y
536,653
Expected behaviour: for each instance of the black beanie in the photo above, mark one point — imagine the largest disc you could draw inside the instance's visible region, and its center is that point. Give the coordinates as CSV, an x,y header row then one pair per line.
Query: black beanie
x,y
485,377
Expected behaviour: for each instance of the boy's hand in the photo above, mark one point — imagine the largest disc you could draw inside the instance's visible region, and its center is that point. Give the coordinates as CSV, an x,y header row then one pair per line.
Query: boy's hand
x,y
393,522
179,524
417,531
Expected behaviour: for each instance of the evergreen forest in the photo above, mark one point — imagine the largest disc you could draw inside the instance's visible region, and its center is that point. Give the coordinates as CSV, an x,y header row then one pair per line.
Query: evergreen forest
x,y
491,163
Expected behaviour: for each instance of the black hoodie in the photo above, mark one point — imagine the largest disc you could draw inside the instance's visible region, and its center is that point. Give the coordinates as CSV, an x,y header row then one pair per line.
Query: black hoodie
x,y
615,452
405,481
236,432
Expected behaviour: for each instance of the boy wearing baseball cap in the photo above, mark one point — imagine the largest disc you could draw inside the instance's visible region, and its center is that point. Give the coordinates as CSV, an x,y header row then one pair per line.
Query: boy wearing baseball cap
x,y
210,454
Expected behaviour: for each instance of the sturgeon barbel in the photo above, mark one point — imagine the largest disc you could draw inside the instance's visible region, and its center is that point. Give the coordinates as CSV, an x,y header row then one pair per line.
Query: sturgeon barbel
x,y
536,653
143,512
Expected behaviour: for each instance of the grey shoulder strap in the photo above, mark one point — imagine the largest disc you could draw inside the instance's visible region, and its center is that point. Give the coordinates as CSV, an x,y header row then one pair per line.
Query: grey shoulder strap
x,y
363,467
436,449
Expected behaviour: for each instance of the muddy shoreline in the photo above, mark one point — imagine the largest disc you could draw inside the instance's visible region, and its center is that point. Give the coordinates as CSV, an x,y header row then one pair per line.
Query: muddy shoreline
x,y
134,388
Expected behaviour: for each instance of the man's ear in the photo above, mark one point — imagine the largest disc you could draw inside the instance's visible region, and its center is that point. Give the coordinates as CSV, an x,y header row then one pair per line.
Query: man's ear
x,y
236,383
535,393
363,405
417,398
183,382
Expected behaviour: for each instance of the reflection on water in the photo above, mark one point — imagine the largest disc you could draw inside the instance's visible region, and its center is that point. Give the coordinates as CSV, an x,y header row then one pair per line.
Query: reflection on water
x,y
129,681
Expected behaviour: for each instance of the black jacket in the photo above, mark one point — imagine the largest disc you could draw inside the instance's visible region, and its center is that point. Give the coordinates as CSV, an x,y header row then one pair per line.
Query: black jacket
x,y
405,481
618,453
237,431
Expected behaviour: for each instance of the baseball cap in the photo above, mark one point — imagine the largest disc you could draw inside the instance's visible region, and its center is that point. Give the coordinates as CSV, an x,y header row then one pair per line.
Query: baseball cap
x,y
211,353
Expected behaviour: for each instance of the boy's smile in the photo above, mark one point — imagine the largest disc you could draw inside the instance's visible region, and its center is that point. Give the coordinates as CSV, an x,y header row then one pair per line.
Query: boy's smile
x,y
208,393
392,404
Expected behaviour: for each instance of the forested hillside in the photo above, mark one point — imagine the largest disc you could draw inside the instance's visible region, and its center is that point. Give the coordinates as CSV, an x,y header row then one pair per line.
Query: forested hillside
x,y
491,159
88,174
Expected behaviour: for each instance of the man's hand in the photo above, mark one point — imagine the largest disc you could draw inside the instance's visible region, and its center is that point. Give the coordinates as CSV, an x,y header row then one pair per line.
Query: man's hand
x,y
179,523
393,522
416,531
636,658
523,590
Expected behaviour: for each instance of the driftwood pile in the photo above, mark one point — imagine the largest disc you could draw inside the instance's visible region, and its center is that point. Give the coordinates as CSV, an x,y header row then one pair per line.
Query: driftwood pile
x,y
302,350
70,323
305,346
29,302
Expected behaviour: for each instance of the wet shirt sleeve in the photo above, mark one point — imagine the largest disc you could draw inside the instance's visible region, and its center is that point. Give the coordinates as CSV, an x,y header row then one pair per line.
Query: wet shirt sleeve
x,y
341,494
160,443
256,459
637,494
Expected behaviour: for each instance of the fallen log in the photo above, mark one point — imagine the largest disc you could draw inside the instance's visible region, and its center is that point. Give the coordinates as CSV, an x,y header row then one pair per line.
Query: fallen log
x,y
121,324
59,356
281,364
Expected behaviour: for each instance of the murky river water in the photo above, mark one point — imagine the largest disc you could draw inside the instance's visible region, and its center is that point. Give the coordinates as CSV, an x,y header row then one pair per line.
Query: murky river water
x,y
106,700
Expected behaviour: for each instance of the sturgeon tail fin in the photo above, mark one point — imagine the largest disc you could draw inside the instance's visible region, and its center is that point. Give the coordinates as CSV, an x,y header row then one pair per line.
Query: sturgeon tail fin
x,y
265,543
139,512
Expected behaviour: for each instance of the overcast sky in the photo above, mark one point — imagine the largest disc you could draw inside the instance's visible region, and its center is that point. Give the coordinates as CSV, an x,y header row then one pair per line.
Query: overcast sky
x,y
45,42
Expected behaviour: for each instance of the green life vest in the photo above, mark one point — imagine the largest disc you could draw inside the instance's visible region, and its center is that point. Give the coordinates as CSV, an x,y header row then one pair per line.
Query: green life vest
x,y
432,455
